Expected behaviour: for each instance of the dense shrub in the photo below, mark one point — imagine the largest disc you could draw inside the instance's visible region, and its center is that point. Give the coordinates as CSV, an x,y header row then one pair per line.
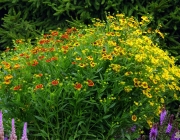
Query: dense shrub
x,y
88,83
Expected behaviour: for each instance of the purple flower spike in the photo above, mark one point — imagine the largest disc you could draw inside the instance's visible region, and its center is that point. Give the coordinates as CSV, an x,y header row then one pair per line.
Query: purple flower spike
x,y
13,132
24,136
154,132
169,127
163,115
1,127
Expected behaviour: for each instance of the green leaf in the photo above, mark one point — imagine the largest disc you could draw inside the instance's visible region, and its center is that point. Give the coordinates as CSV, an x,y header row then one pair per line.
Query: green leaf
x,y
103,1
128,136
41,119
107,116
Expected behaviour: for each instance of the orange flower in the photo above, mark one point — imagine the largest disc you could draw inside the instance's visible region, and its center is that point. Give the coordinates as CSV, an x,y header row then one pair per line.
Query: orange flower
x,y
65,47
52,49
54,58
48,60
54,33
64,36
55,82
16,66
17,87
8,77
90,83
43,41
35,62
134,118
39,86
41,57
73,63
78,86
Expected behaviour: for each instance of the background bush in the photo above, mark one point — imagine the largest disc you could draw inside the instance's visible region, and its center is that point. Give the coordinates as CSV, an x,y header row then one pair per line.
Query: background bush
x,y
28,18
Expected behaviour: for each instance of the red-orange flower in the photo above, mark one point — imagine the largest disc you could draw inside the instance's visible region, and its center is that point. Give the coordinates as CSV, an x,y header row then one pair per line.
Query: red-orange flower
x,y
43,41
54,58
55,82
54,33
65,48
35,62
41,57
51,49
73,63
90,83
39,86
17,87
78,86
48,60
64,36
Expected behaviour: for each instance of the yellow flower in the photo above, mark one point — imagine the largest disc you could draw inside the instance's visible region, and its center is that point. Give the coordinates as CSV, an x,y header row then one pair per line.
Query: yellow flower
x,y
7,82
15,58
90,58
134,118
149,95
151,103
115,67
127,88
150,123
175,96
144,84
145,18
82,65
78,58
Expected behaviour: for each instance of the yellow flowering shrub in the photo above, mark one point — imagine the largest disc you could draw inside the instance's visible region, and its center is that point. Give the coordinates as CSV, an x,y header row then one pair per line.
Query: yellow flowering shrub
x,y
86,83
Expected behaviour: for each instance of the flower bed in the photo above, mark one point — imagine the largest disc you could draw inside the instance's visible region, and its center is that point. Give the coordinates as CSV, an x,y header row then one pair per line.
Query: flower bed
x,y
89,83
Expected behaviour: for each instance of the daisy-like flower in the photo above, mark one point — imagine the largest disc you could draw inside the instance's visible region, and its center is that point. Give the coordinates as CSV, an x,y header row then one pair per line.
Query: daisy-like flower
x,y
78,86
90,83
55,82
39,86
17,87
134,118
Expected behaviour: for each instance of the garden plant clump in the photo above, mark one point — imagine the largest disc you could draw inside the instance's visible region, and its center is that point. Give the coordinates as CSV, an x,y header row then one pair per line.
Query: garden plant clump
x,y
89,83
